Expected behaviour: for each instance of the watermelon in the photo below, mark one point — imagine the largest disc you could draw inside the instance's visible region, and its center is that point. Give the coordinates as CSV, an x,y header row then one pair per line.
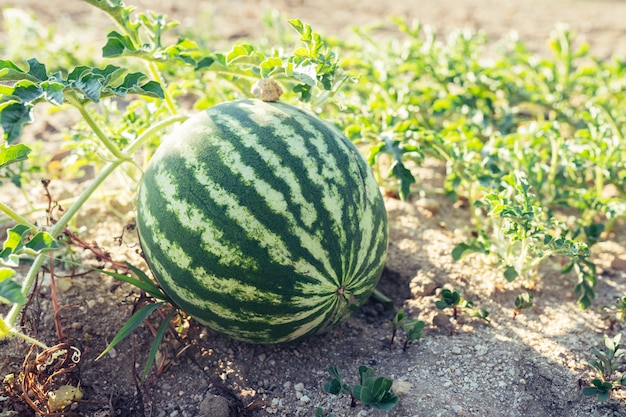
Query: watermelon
x,y
262,221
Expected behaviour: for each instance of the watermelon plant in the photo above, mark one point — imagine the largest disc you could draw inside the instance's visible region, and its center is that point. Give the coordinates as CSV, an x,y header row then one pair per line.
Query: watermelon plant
x,y
532,145
125,109
262,221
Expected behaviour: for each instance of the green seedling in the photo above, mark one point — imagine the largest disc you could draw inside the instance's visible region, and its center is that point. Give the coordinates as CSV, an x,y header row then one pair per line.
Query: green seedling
x,y
616,312
452,299
413,329
606,364
522,302
372,391
398,321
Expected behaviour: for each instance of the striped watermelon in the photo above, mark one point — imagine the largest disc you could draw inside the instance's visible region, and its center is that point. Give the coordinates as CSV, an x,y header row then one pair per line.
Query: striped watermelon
x,y
262,221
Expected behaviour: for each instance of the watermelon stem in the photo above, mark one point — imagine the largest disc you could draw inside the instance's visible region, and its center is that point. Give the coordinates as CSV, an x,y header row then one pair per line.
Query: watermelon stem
x,y
382,298
56,229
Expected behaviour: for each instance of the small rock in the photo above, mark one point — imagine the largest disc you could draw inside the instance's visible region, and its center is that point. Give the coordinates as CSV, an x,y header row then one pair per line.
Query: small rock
x,y
214,406
305,399
63,283
441,320
299,387
400,387
267,90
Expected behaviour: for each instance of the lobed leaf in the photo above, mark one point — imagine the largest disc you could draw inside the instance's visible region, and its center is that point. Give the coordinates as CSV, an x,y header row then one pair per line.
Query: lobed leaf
x,y
13,117
14,243
118,45
10,291
13,153
42,242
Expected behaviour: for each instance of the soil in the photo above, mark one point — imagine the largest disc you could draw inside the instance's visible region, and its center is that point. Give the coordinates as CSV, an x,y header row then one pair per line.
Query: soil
x,y
533,365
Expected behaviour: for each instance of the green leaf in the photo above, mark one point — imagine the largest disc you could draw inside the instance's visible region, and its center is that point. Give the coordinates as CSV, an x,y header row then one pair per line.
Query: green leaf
x,y
87,82
13,118
13,243
388,402
524,300
117,45
414,329
465,248
204,63
365,372
363,394
42,242
27,91
380,386
11,72
13,153
481,314
600,388
4,328
297,25
242,50
143,282
149,287
37,69
396,149
510,273
131,84
448,299
269,65
158,337
53,91
133,322
333,386
374,392
10,291
306,72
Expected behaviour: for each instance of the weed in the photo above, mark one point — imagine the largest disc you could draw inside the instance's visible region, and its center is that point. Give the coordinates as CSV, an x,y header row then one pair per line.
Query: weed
x,y
372,391
452,299
413,329
606,364
522,302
